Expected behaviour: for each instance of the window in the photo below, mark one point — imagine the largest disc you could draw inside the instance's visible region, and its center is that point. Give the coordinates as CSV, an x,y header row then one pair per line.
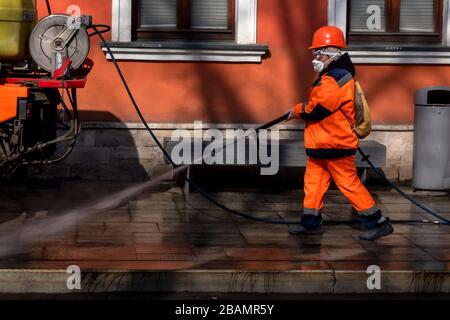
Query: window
x,y
412,22
163,30
394,31
184,19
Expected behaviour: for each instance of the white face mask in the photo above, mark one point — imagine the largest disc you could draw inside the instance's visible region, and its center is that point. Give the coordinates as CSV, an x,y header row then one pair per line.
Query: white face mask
x,y
318,65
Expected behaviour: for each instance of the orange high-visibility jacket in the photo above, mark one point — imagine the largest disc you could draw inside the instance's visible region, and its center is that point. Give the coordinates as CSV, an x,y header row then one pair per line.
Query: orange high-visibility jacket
x,y
329,113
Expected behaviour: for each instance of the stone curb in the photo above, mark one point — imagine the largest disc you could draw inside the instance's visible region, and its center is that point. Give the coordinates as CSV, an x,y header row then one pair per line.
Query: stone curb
x,y
224,281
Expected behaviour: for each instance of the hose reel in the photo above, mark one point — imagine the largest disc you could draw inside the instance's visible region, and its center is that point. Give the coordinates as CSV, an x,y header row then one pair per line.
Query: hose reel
x,y
59,40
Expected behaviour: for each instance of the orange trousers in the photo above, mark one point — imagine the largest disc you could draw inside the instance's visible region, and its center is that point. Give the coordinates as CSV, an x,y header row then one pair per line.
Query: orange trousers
x,y
343,171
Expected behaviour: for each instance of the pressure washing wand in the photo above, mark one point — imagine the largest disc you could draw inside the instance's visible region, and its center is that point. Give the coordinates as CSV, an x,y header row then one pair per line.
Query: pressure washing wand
x,y
270,124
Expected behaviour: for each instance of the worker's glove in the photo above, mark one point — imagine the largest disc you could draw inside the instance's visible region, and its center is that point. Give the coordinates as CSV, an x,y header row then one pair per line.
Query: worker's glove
x,y
295,112
291,114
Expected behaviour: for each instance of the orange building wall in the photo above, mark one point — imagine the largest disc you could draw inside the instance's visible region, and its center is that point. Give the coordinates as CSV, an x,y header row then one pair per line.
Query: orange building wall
x,y
242,93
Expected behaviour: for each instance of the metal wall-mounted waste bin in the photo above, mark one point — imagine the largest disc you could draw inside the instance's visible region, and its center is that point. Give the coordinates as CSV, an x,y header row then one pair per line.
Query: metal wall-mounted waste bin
x,y
431,162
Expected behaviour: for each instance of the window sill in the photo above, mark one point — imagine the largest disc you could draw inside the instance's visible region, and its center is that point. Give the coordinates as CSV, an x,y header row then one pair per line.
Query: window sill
x,y
392,54
187,51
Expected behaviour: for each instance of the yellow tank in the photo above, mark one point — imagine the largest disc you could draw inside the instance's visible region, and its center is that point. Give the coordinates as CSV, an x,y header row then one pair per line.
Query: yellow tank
x,y
17,19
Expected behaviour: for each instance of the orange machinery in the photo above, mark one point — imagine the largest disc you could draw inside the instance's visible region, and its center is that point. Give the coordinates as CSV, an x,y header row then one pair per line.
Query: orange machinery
x,y
34,116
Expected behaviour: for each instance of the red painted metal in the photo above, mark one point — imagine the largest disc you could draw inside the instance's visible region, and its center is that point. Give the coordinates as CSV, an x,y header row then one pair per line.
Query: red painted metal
x,y
46,83
61,72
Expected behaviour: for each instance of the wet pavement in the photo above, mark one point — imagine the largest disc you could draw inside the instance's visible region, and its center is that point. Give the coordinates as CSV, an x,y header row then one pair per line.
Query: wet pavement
x,y
160,229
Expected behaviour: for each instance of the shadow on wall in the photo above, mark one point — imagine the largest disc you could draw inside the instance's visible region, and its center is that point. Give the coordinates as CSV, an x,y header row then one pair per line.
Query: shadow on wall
x,y
106,150
283,79
382,83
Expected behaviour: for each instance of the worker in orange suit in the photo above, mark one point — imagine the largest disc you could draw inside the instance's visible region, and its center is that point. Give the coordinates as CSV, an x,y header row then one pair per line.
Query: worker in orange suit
x,y
330,141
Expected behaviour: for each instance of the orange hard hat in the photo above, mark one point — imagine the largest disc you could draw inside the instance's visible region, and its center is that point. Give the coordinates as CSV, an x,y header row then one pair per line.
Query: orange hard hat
x,y
328,36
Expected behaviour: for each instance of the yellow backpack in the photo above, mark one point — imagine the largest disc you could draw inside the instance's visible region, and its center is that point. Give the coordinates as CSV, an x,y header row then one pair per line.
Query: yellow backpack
x,y
363,124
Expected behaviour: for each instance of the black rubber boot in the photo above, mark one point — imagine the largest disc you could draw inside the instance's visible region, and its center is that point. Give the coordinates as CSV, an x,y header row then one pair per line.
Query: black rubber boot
x,y
380,230
309,225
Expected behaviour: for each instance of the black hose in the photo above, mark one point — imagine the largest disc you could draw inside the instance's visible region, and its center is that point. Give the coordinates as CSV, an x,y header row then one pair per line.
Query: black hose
x,y
166,154
194,185
49,9
401,192
105,27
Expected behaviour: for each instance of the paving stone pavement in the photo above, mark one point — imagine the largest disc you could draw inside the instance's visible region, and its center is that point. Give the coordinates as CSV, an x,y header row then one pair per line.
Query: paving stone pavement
x,y
161,230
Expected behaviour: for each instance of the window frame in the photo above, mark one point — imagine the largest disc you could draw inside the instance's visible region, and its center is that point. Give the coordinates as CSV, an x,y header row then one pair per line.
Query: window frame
x,y
392,33
388,53
183,22
242,49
